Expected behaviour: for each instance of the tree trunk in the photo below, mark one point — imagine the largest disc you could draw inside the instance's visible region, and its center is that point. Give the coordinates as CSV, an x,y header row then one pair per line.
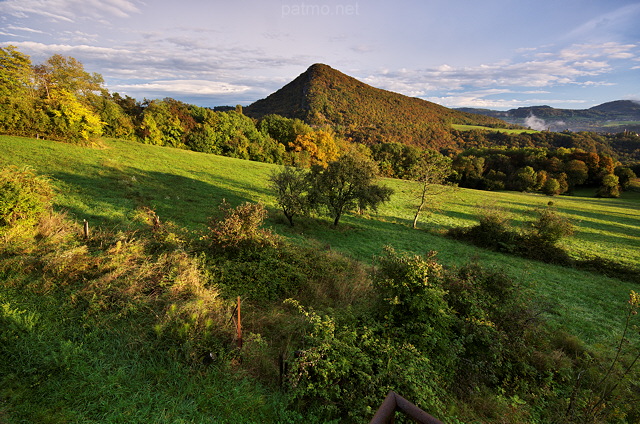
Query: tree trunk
x,y
289,218
415,218
422,200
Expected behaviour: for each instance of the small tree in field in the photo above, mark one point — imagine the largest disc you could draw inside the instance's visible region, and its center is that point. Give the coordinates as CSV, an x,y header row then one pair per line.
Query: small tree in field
x,y
430,171
346,184
291,186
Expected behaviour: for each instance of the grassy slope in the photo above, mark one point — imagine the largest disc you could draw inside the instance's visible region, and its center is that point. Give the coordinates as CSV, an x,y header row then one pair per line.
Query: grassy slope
x,y
105,185
105,374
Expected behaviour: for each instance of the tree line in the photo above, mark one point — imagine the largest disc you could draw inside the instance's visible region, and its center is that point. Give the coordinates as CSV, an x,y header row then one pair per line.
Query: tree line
x,y
58,99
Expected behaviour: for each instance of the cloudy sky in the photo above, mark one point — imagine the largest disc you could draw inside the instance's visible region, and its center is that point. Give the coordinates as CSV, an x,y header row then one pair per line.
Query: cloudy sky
x,y
496,54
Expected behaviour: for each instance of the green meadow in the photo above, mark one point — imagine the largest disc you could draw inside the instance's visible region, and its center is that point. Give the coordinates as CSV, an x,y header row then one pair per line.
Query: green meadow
x,y
106,184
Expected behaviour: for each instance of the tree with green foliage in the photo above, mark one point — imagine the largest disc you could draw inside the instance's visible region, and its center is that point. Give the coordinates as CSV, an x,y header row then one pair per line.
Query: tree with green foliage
x,y
346,184
20,111
468,168
291,186
577,172
285,130
524,179
610,186
70,119
160,125
116,123
551,187
67,73
15,72
625,176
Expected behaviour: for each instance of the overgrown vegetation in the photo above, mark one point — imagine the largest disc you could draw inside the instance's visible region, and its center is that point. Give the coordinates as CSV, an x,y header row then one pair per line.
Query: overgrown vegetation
x,y
126,313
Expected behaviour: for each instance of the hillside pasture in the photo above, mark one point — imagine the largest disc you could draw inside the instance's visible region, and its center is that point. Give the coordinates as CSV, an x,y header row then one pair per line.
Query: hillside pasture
x,y
106,185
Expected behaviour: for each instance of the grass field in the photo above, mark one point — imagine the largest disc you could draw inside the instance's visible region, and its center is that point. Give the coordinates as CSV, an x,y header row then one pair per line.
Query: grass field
x,y
462,127
106,184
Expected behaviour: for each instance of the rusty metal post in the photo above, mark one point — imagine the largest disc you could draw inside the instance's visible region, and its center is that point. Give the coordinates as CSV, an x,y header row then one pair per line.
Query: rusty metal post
x,y
394,402
414,412
386,413
239,326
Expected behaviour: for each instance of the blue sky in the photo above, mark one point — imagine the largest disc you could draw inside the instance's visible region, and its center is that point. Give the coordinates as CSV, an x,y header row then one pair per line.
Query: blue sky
x,y
498,54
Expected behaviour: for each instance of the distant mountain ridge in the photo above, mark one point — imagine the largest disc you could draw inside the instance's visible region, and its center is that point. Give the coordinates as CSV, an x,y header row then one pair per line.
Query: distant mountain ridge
x,y
325,96
614,116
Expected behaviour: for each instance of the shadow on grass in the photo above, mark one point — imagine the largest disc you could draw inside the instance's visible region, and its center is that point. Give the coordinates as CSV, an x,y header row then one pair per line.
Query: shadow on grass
x,y
620,227
363,238
110,196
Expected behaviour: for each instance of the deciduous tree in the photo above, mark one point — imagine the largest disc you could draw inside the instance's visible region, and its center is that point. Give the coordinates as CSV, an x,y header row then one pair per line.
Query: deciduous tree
x,y
346,184
431,170
610,186
291,186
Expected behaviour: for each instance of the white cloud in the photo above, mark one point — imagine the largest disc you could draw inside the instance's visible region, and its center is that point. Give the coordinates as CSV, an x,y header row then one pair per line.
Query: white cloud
x,y
68,10
586,65
24,29
186,87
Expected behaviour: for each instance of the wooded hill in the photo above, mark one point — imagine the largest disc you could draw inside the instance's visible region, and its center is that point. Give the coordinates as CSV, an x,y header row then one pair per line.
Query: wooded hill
x,y
324,96
615,116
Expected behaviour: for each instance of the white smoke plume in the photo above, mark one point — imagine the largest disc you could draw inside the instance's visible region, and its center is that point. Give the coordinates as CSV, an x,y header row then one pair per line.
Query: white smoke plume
x,y
535,123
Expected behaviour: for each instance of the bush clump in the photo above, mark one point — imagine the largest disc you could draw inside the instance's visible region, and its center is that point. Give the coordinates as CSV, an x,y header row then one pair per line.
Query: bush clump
x,y
24,197
539,242
240,228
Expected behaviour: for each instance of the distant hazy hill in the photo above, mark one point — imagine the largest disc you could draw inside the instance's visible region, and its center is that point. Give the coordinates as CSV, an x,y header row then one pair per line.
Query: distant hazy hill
x,y
613,116
325,96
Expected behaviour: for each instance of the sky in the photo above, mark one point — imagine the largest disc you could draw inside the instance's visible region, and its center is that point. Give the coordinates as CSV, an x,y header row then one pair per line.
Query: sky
x,y
497,54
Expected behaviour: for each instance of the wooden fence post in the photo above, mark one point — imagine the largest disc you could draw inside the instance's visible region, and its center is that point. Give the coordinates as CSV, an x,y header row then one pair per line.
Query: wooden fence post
x,y
239,326
86,230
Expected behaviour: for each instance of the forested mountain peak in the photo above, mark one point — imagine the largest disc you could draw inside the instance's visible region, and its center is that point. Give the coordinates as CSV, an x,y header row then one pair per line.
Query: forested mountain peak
x,y
324,96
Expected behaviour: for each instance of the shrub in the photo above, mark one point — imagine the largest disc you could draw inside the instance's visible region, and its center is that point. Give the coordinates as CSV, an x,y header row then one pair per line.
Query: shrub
x,y
491,318
239,228
346,369
24,197
412,303
550,227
